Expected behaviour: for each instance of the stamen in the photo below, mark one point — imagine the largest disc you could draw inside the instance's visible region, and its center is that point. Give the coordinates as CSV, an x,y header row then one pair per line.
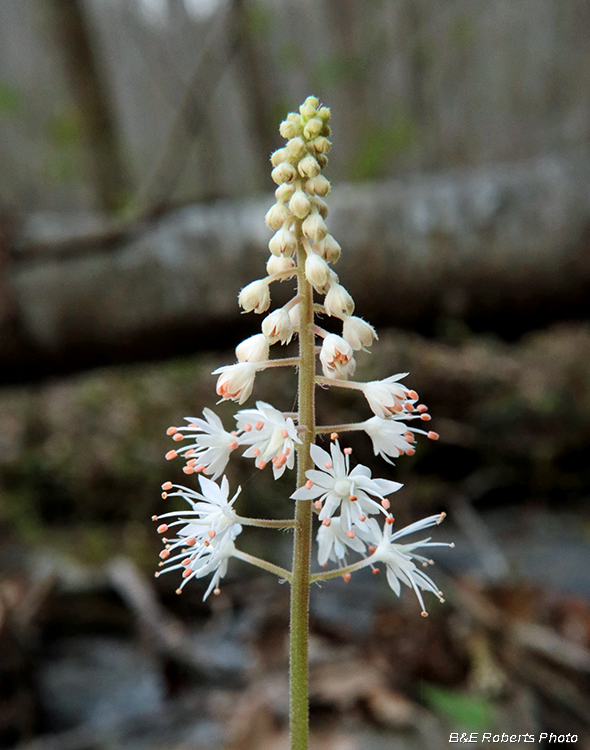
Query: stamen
x,y
233,445
421,407
256,452
189,453
178,591
171,431
442,517
424,614
347,451
164,554
261,465
385,503
318,504
167,486
191,541
186,572
284,433
170,455
259,425
426,417
353,498
375,571
326,521
328,465
188,469
217,592
200,469
433,435
347,577
334,436
211,533
372,549
234,432
164,495
178,436
154,518
362,517
309,484
409,407
350,534
162,528
247,427
413,395
410,451
186,562
389,520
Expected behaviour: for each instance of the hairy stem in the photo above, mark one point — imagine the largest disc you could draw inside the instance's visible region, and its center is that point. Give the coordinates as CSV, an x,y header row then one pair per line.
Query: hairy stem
x,y
259,563
267,523
303,512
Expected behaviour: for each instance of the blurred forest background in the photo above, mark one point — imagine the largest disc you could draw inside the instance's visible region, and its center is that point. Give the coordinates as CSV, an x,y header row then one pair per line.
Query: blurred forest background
x,y
134,177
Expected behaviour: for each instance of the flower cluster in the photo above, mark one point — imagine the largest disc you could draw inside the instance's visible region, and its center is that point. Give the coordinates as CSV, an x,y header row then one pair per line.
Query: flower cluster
x,y
348,500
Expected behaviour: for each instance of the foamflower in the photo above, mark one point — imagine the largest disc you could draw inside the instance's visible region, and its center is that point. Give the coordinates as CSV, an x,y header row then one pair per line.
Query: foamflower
x,y
333,538
358,333
386,397
400,558
211,444
253,349
270,437
393,437
337,487
337,357
235,382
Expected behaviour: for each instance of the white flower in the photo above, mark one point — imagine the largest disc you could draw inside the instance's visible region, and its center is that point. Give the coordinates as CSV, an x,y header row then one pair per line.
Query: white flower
x,y
235,382
314,227
276,216
255,296
393,437
358,333
317,272
278,326
386,397
279,264
253,349
399,558
270,436
205,542
337,357
211,447
299,204
283,242
338,303
338,487
333,539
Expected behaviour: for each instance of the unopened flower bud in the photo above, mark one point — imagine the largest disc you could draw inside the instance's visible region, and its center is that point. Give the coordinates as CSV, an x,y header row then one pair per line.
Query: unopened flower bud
x,y
330,249
278,264
284,192
308,166
299,204
255,296
296,147
324,114
313,128
279,156
320,205
284,172
291,127
283,242
294,315
322,145
309,106
278,326
337,357
314,227
276,216
338,302
253,349
318,185
317,272
358,333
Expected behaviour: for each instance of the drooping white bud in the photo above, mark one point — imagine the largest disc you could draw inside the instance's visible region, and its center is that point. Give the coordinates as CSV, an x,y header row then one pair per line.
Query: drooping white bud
x,y
313,128
235,382
294,315
324,114
276,216
318,185
314,227
283,242
284,172
278,264
358,333
337,357
284,192
308,167
309,106
322,160
299,204
278,326
329,249
254,349
279,156
296,147
292,126
320,206
317,272
322,145
338,302
255,296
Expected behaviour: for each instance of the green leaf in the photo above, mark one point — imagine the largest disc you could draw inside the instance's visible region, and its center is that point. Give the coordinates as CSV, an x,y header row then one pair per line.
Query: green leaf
x,y
462,710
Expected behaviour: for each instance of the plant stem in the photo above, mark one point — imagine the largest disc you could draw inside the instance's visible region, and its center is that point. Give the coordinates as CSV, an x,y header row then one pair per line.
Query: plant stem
x,y
259,563
299,702
267,523
343,571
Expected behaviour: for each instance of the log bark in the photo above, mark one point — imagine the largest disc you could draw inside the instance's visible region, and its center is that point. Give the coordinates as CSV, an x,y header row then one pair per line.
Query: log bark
x,y
502,248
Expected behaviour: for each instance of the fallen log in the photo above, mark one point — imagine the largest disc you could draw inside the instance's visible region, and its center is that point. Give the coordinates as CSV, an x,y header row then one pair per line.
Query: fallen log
x,y
502,248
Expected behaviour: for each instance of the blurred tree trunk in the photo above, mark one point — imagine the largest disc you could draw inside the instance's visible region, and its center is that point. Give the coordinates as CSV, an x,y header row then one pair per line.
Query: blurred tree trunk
x,y
93,107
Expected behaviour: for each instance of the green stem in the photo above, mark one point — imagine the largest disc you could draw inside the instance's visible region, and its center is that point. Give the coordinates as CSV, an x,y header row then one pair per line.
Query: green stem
x,y
324,429
342,571
267,523
259,563
299,702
